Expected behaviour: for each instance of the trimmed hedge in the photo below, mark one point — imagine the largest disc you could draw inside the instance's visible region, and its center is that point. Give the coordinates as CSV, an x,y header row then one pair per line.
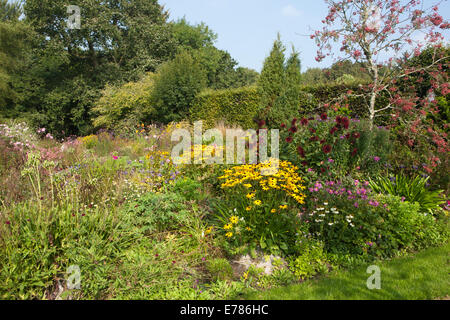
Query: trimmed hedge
x,y
315,97
239,106
233,106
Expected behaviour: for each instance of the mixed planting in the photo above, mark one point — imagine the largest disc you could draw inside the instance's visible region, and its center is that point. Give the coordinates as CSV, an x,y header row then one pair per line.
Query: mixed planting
x,y
88,183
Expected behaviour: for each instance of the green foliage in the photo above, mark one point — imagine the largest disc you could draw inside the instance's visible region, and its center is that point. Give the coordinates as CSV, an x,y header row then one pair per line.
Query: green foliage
x,y
317,98
255,278
220,269
155,212
233,106
332,148
176,86
129,103
412,189
189,189
311,261
341,72
219,67
382,227
272,79
245,77
278,86
13,45
47,242
10,10
64,72
192,37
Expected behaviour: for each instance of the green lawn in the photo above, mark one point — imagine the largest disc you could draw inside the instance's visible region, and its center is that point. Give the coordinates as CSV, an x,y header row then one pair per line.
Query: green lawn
x,y
424,275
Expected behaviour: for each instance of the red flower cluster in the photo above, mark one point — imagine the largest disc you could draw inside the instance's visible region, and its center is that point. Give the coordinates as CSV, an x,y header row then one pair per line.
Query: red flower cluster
x,y
326,148
342,122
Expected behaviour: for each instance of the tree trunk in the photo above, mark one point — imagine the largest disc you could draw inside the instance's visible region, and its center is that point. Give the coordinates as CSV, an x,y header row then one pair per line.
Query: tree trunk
x,y
373,99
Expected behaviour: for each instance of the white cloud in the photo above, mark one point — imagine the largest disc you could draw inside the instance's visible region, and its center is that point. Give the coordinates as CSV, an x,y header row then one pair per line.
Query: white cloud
x,y
290,11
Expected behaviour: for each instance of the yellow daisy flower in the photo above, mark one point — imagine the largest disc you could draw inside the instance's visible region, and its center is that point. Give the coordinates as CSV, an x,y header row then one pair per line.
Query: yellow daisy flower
x,y
234,220
228,226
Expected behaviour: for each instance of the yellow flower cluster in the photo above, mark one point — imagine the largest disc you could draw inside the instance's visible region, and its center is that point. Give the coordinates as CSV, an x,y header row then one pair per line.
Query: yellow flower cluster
x,y
202,152
285,178
233,220
89,141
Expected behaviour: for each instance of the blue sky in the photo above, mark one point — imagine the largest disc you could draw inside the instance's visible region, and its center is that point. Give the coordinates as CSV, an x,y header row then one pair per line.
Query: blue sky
x,y
247,28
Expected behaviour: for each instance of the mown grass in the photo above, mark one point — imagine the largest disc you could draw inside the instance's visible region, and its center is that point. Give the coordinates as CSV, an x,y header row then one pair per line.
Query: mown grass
x,y
420,276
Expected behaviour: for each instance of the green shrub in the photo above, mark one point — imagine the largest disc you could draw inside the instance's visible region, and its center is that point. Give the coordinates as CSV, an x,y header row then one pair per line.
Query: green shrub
x,y
311,261
220,269
189,189
233,106
127,104
176,86
380,227
412,189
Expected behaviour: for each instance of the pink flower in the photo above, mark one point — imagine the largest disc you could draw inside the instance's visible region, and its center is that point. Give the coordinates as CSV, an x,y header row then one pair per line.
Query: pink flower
x,y
374,203
376,159
115,157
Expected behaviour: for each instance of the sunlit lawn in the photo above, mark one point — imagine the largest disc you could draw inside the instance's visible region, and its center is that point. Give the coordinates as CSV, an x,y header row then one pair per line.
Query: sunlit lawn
x,y
421,276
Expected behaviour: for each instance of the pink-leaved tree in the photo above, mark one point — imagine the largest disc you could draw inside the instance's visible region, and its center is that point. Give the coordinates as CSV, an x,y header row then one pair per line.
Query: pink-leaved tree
x,y
382,35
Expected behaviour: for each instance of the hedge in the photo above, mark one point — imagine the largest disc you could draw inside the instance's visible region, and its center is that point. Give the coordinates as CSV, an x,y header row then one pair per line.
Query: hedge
x,y
315,97
239,106
233,106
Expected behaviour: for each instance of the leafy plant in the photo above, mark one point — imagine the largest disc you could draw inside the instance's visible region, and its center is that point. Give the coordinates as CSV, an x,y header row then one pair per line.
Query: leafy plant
x,y
155,212
311,261
259,209
412,189
220,269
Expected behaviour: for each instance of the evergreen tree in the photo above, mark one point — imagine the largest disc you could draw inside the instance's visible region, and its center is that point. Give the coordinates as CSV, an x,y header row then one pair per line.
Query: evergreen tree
x,y
278,86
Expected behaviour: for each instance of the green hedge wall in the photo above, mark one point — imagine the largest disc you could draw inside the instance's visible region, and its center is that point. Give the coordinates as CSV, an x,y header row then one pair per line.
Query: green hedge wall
x,y
239,106
316,96
233,106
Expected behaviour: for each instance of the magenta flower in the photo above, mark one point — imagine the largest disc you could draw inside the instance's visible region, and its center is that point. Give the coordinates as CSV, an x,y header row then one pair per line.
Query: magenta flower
x,y
356,204
374,203
115,157
376,159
